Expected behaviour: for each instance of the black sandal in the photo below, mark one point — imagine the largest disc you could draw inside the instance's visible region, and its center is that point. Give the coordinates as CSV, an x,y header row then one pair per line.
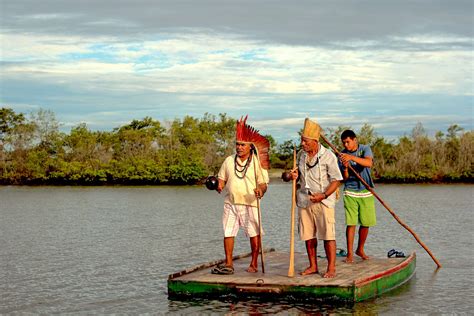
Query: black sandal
x,y
391,253
222,269
400,254
395,253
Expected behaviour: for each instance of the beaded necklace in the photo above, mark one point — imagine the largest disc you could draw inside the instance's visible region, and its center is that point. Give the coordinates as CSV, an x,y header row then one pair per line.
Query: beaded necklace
x,y
315,163
242,169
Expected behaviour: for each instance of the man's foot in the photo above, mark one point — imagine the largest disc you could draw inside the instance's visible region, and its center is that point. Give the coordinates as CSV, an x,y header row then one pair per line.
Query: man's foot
x,y
329,274
309,270
252,269
349,259
362,254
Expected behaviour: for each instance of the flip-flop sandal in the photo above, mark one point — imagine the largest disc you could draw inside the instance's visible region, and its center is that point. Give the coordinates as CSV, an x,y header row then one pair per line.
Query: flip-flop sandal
x,y
341,252
221,269
395,253
400,254
391,253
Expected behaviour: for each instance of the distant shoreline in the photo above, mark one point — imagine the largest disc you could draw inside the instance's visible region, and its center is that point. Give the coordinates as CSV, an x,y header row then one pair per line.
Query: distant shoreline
x,y
274,175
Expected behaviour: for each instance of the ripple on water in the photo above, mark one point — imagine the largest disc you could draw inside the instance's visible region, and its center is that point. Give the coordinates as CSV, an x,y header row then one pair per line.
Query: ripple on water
x,y
110,249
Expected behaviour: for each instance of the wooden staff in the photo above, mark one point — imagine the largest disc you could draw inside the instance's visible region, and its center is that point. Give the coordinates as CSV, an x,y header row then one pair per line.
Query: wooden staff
x,y
259,218
291,268
385,205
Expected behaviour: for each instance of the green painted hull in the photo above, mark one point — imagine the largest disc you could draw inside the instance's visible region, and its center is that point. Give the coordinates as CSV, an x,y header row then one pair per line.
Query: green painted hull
x,y
376,286
358,290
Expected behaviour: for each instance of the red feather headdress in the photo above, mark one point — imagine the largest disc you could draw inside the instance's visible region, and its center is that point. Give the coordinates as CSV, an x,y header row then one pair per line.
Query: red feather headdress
x,y
247,134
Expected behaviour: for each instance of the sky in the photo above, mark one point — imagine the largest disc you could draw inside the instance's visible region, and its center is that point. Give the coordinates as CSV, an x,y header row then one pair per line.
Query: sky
x,y
390,64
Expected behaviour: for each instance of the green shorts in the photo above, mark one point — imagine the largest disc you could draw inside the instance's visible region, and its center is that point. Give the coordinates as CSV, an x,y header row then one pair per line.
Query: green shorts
x,y
360,208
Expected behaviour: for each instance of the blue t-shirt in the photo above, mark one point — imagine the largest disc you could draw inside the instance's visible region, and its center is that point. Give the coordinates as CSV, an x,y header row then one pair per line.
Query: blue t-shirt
x,y
353,183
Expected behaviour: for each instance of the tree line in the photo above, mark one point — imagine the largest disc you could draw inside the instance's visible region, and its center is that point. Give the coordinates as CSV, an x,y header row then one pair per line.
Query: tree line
x,y
33,150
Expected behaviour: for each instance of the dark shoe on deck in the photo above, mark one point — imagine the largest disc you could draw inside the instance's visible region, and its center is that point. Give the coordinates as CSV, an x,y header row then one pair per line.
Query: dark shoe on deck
x,y
222,269
395,253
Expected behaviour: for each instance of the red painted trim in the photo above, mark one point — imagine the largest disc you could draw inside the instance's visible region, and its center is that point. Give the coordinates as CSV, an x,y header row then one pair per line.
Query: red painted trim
x,y
402,265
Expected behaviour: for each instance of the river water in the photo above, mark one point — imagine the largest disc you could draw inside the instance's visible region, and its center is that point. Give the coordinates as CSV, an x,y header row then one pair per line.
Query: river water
x,y
97,250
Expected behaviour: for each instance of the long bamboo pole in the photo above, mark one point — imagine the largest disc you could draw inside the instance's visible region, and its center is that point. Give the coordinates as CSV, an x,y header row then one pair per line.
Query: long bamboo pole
x,y
386,206
260,244
291,268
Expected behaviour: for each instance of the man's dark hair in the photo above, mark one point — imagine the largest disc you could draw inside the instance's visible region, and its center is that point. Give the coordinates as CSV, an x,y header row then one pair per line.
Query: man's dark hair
x,y
348,133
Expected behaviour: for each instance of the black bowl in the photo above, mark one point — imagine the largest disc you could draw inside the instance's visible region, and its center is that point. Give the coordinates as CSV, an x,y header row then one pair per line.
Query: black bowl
x,y
286,176
212,183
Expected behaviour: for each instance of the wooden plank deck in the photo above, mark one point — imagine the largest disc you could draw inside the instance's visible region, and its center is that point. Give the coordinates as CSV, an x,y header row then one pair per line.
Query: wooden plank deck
x,y
275,280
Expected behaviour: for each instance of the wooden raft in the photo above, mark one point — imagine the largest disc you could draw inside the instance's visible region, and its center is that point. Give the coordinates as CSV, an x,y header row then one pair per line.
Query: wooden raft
x,y
354,282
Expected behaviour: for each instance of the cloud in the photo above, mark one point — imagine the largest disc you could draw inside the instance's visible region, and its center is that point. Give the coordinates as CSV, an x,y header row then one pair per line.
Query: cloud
x,y
308,23
174,65
108,62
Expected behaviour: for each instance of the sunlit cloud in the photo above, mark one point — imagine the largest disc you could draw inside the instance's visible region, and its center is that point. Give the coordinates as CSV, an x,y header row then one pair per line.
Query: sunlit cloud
x,y
106,69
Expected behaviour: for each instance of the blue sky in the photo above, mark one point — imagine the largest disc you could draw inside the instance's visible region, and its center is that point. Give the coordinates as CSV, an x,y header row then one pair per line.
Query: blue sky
x,y
105,63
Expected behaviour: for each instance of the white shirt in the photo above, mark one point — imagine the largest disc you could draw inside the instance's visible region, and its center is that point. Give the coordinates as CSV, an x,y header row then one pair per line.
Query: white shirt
x,y
240,187
318,178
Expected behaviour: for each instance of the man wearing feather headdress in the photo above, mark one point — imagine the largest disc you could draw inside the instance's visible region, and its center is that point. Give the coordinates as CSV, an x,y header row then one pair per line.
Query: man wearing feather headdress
x,y
245,178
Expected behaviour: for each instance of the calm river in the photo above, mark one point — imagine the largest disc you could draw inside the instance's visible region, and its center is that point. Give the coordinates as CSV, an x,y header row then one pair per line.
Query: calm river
x,y
96,250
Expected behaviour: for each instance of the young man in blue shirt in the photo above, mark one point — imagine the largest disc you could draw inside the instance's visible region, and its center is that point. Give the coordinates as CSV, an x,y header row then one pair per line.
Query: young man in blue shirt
x,y
359,203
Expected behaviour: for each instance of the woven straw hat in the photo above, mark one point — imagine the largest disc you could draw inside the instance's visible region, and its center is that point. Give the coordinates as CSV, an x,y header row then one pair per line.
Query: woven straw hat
x,y
311,129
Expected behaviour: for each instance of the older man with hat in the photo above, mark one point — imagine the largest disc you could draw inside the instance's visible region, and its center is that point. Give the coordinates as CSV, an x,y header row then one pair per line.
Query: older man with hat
x,y
318,177
245,178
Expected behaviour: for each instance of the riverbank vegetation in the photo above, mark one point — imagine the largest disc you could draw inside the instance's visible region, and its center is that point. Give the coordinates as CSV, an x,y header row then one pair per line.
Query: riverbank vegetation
x,y
33,150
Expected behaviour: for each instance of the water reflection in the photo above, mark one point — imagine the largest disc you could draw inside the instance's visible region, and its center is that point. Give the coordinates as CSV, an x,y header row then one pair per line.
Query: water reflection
x,y
257,307
110,249
313,307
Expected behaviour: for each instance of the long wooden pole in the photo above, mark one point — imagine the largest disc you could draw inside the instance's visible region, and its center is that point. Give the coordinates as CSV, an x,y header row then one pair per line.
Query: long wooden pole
x,y
386,206
291,268
260,244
